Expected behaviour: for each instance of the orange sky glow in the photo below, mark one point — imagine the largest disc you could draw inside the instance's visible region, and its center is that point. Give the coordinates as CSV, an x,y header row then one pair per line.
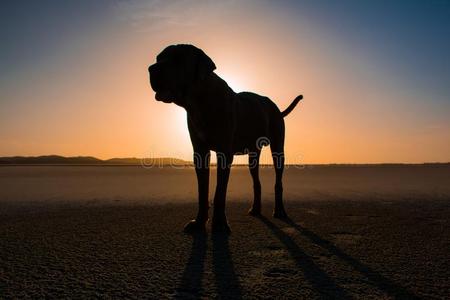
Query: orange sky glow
x,y
92,95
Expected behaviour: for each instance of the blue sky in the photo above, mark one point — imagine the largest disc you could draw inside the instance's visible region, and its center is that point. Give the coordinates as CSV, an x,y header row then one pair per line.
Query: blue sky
x,y
413,37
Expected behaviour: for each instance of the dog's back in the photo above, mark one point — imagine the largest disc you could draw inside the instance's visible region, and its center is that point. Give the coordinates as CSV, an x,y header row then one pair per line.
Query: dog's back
x,y
256,115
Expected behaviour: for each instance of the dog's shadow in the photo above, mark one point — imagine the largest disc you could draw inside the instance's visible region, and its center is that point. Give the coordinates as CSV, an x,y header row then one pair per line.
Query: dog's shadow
x,y
226,280
227,283
324,284
191,280
319,279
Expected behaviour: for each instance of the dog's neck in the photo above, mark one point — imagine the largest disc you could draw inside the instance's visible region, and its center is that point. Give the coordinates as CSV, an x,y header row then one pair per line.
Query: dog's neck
x,y
206,93
208,102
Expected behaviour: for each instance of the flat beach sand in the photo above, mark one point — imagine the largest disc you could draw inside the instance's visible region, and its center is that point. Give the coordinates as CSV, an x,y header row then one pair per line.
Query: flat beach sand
x,y
379,232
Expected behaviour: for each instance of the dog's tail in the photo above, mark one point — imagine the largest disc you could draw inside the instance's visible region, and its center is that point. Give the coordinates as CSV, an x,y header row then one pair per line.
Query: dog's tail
x,y
294,103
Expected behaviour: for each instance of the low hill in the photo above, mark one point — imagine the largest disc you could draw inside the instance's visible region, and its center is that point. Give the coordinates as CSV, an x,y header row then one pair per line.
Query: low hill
x,y
89,160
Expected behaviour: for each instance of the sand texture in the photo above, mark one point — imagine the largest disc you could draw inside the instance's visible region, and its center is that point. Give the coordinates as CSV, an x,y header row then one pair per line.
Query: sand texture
x,y
116,232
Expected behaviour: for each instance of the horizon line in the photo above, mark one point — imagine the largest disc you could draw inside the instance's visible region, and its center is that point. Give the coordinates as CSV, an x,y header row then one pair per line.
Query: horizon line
x,y
180,161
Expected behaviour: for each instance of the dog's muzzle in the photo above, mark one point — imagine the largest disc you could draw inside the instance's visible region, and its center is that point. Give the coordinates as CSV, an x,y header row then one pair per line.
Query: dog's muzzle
x,y
155,77
156,82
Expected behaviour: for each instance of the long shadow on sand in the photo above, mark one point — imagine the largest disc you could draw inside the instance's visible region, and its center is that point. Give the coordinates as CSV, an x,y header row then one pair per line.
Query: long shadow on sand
x,y
376,279
191,280
226,281
322,283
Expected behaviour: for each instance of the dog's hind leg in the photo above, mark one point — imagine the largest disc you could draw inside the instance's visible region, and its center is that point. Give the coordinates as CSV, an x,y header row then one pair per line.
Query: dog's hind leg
x,y
253,165
277,149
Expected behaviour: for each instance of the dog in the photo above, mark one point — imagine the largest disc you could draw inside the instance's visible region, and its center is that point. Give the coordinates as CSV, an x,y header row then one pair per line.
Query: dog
x,y
223,121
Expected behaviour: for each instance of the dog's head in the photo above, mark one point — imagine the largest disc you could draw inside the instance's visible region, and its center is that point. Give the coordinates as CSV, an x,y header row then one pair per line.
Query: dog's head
x,y
176,69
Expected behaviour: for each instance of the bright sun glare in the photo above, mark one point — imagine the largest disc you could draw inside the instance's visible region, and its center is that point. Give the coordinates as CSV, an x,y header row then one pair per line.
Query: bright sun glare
x,y
235,83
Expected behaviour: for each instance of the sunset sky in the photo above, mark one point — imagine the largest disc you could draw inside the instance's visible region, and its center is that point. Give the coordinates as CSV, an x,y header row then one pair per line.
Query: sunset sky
x,y
375,75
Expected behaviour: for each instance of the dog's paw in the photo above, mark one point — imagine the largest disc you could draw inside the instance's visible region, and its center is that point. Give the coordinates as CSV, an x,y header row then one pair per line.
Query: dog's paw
x,y
280,214
254,211
194,226
220,227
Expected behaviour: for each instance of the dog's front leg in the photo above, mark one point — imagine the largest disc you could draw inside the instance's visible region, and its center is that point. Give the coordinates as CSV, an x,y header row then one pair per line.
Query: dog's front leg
x,y
219,221
201,163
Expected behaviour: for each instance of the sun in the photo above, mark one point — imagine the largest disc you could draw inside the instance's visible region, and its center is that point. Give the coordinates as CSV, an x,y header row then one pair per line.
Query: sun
x,y
236,83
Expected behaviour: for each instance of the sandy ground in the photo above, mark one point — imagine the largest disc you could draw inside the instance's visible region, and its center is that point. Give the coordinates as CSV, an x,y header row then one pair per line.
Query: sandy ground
x,y
353,232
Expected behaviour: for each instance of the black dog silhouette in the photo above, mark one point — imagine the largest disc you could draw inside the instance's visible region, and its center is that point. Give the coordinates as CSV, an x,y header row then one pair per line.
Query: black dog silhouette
x,y
223,121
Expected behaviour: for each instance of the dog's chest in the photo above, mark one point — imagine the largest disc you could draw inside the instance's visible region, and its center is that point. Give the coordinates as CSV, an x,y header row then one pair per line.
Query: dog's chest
x,y
213,128
203,128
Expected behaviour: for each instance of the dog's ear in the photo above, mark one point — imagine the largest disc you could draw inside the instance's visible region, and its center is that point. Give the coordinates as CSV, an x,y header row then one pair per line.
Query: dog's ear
x,y
205,65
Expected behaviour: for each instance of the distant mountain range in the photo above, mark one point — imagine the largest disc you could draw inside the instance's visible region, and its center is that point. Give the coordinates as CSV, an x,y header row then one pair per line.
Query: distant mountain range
x,y
89,160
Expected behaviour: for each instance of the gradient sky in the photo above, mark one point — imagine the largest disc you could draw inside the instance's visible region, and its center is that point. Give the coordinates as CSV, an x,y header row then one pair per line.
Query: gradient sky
x,y
375,75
